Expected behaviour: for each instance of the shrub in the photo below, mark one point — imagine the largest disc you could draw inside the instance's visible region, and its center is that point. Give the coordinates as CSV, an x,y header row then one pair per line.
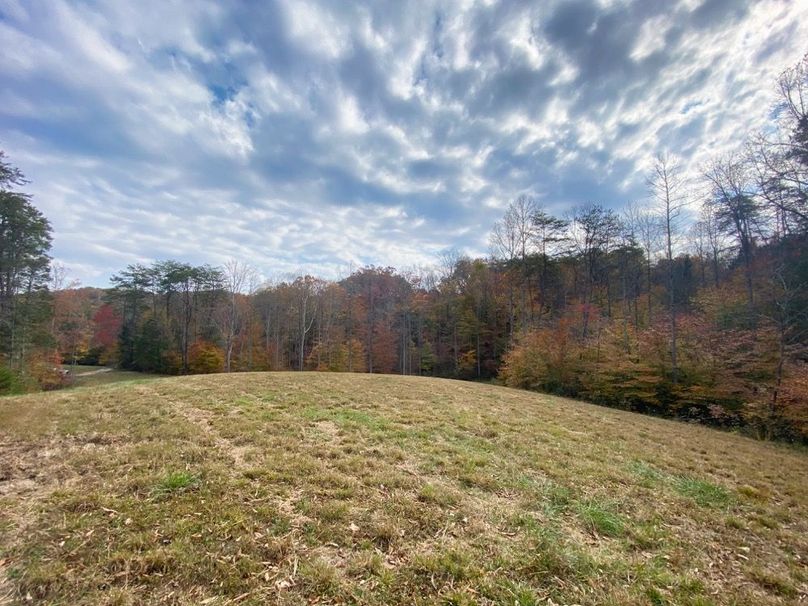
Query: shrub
x,y
9,381
205,358
45,371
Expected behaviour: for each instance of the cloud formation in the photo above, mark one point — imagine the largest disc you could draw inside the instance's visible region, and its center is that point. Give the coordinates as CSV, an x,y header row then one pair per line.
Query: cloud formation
x,y
312,136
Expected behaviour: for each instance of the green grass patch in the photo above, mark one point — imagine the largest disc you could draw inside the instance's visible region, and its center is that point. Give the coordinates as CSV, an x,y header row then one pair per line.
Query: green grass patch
x,y
702,492
601,518
548,555
648,475
176,481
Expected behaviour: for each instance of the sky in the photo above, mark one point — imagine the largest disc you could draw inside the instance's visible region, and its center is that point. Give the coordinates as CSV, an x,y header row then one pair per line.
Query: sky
x,y
323,136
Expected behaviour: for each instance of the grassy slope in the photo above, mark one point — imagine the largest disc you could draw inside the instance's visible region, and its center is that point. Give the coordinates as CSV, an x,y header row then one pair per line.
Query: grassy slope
x,y
291,488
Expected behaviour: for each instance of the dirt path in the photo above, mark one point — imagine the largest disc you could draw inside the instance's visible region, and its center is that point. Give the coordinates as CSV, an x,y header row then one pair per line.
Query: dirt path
x,y
29,473
92,372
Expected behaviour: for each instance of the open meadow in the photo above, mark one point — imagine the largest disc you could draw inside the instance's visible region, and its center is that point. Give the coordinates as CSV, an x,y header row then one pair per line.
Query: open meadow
x,y
301,488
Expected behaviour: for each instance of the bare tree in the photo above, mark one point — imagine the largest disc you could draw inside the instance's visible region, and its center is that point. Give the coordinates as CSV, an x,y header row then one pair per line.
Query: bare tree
x,y
238,277
699,244
737,212
58,279
511,235
307,290
646,228
69,322
793,109
788,316
548,236
511,241
779,157
710,240
447,263
667,188
593,232
781,181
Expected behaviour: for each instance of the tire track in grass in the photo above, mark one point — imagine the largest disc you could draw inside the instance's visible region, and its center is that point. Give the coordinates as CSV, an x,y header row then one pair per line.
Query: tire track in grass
x,y
202,419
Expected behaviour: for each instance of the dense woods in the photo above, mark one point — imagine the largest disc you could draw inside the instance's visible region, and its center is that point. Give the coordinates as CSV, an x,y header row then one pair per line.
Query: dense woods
x,y
692,304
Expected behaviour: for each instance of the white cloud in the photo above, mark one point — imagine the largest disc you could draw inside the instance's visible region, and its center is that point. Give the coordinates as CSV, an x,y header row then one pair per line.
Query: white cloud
x,y
316,29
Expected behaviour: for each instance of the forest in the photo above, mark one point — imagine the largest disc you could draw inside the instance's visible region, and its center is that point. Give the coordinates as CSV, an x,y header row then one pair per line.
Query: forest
x,y
691,304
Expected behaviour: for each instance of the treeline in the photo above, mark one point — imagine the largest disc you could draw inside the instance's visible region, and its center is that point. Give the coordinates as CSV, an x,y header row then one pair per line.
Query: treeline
x,y
175,318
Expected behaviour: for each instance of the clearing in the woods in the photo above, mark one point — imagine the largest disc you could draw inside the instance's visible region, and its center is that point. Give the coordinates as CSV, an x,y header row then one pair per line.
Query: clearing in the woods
x,y
294,488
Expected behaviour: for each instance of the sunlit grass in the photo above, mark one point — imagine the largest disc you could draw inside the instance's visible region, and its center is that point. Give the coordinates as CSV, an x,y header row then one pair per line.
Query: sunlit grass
x,y
295,488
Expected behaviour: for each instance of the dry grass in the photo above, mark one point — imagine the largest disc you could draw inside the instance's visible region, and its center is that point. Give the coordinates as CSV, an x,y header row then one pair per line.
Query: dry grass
x,y
293,488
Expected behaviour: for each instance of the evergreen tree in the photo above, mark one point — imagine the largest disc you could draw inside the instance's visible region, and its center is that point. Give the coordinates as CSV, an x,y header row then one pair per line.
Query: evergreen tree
x,y
25,239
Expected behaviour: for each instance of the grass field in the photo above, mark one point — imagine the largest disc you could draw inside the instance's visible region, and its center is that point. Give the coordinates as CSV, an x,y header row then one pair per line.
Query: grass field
x,y
303,488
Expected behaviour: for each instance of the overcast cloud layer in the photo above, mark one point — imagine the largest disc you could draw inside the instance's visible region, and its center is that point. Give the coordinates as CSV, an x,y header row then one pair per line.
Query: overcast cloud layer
x,y
308,136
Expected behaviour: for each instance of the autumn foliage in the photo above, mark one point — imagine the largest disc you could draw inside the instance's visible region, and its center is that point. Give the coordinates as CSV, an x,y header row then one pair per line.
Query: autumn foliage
x,y
206,358
728,375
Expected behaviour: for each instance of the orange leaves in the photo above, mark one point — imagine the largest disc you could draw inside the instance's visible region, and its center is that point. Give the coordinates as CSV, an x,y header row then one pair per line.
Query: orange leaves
x,y
547,359
205,358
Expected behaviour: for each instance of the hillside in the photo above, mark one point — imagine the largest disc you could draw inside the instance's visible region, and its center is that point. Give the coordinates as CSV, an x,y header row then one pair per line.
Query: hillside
x,y
291,488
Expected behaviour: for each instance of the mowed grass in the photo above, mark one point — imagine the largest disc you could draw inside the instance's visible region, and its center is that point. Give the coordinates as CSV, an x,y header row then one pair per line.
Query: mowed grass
x,y
301,488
